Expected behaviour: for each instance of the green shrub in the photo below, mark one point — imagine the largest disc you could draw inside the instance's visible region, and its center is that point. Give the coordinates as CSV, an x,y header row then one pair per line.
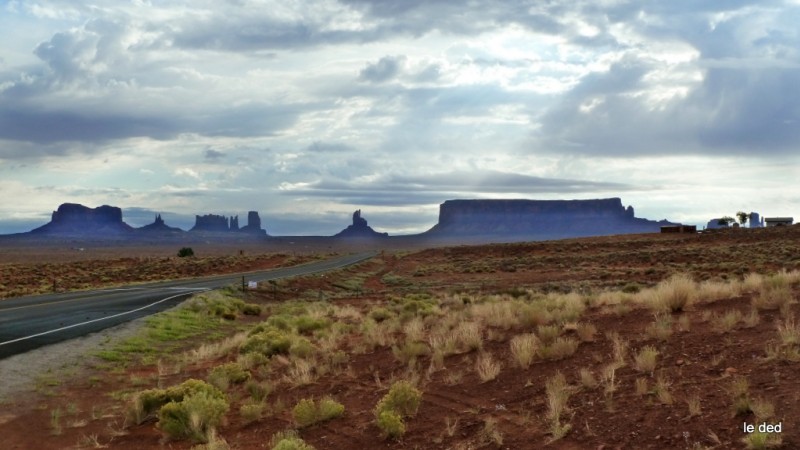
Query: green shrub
x,y
410,350
380,314
185,251
391,424
307,412
288,440
146,403
308,324
402,398
250,309
193,416
251,411
258,391
232,372
301,347
329,408
268,343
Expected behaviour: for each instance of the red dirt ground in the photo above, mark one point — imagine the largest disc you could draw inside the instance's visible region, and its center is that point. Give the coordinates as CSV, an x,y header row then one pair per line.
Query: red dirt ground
x,y
699,361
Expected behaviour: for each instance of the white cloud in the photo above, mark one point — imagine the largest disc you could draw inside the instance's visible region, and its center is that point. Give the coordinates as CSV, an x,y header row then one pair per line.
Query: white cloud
x,y
204,104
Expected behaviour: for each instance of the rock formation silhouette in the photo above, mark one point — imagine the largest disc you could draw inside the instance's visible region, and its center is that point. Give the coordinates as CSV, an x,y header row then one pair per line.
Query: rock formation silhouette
x,y
359,229
76,219
539,219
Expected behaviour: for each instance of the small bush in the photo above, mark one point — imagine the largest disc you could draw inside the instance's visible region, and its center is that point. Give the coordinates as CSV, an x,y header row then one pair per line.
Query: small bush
x,y
675,293
192,417
147,403
329,408
486,367
251,412
288,440
391,424
250,309
380,314
523,348
402,398
258,391
270,342
308,324
645,360
185,251
307,412
226,374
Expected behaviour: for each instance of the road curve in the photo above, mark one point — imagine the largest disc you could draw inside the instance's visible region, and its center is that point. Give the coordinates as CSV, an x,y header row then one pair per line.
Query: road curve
x,y
30,322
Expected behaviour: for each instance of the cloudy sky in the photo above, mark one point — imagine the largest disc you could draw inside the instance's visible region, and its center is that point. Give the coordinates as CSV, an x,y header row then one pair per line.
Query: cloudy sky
x,y
307,110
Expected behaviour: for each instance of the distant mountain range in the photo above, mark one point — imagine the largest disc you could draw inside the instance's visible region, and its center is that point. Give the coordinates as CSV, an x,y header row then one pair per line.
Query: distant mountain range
x,y
459,220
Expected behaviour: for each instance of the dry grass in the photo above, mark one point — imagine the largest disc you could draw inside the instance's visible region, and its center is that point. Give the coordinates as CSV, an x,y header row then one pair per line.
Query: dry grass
x,y
673,294
661,327
693,403
641,386
789,331
662,391
645,360
587,378
548,333
586,332
487,368
523,349
726,322
558,393
561,348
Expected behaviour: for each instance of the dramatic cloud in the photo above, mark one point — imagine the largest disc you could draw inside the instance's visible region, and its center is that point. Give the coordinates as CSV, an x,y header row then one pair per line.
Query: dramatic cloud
x,y
685,109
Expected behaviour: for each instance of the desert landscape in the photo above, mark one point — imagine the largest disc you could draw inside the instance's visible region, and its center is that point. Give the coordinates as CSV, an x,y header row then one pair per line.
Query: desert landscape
x,y
636,341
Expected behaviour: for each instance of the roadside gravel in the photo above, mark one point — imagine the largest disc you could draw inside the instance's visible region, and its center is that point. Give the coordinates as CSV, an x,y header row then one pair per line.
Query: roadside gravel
x,y
19,373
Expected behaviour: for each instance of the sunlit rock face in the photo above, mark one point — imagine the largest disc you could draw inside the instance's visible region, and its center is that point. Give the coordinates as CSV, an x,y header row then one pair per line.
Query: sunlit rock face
x,y
548,219
76,219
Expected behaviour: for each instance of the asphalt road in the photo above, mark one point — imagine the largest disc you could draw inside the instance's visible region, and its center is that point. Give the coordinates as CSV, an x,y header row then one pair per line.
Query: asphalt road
x,y
30,322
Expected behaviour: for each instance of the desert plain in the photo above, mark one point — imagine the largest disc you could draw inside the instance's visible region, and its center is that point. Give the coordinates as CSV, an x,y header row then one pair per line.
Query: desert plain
x,y
631,342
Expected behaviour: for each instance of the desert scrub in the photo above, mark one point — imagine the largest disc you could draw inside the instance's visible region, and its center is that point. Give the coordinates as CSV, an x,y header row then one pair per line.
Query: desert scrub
x,y
559,349
673,294
773,293
726,322
486,367
548,333
523,349
558,393
308,412
226,374
661,327
146,403
268,342
739,391
193,416
402,400
251,411
288,440
762,441
645,360
409,351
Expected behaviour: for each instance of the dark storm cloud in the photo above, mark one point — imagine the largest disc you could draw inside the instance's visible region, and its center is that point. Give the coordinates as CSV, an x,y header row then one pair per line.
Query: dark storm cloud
x,y
29,123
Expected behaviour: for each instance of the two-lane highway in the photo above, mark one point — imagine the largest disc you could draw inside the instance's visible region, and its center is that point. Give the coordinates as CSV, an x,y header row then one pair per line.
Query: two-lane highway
x,y
30,322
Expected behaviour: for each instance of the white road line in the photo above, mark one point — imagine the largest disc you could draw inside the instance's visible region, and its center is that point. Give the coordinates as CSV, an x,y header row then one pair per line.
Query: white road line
x,y
90,321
